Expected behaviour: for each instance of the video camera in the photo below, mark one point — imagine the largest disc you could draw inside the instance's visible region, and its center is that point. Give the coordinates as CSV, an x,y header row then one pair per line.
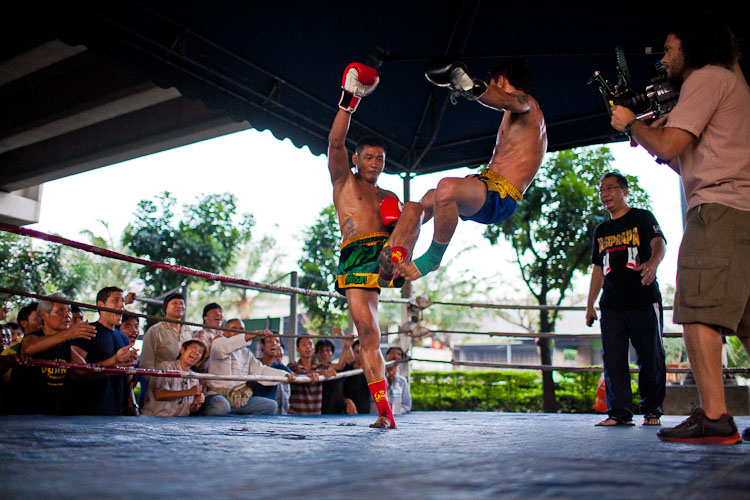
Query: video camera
x,y
656,100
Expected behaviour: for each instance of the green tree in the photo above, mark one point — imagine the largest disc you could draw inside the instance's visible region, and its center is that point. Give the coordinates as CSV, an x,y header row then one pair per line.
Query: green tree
x,y
318,266
206,237
110,272
552,232
257,260
736,353
40,268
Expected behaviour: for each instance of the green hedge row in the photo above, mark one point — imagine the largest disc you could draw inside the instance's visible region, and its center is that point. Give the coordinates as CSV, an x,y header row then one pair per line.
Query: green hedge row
x,y
515,391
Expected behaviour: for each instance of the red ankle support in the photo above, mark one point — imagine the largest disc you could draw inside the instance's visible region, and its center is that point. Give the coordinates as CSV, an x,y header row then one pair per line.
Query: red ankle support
x,y
379,393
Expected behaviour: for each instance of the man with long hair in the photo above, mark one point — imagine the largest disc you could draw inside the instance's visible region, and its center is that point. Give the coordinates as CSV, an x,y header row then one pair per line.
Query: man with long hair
x,y
706,138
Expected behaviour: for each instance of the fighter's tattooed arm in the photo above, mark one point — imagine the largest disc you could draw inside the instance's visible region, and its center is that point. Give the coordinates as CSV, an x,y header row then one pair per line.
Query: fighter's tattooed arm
x,y
515,102
521,97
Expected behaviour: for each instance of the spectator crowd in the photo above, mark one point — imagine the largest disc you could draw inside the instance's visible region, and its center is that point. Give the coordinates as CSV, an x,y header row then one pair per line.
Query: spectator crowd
x,y
52,330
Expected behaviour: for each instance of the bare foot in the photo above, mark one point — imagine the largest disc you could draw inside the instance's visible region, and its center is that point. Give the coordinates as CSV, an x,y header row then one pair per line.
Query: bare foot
x,y
408,270
383,423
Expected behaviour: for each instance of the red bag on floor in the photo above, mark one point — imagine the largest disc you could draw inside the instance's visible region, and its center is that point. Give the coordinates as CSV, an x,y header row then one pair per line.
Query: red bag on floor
x,y
601,397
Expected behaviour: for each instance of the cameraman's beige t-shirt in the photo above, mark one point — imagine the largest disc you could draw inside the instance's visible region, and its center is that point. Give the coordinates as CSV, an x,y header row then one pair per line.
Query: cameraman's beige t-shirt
x,y
714,106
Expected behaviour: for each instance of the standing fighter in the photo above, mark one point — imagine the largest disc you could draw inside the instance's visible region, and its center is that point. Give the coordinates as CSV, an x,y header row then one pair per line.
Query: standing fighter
x,y
364,210
492,195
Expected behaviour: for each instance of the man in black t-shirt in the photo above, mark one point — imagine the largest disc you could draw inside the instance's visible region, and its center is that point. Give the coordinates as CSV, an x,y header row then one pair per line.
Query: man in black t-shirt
x,y
103,395
355,387
334,400
35,389
627,251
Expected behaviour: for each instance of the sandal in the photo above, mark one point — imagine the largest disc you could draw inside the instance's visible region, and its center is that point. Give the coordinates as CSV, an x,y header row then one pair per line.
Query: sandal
x,y
651,419
615,422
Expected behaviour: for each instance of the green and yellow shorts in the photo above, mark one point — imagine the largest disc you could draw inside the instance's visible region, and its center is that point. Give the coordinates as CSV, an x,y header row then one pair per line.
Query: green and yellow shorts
x,y
358,263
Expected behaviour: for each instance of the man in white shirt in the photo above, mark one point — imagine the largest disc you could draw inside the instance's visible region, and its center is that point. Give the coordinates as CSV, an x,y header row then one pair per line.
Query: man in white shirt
x,y
230,356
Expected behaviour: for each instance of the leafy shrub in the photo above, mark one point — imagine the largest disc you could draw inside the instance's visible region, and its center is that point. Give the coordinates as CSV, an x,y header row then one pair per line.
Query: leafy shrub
x,y
513,391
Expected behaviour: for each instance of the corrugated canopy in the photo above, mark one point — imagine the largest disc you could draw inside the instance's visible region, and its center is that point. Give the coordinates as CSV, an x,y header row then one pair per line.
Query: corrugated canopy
x,y
84,84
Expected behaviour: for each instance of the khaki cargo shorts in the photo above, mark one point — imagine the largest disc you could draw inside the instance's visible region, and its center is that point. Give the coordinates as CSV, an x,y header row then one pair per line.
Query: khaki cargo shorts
x,y
713,269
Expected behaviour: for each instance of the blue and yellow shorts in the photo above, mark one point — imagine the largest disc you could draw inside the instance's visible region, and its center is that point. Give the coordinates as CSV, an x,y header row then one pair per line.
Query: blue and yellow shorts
x,y
502,198
358,263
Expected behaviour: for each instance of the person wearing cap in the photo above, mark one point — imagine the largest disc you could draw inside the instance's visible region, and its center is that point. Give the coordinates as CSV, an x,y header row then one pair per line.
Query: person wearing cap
x,y
173,396
213,315
163,340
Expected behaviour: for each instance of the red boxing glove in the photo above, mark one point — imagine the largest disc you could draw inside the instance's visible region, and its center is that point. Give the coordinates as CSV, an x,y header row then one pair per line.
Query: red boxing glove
x,y
358,81
390,210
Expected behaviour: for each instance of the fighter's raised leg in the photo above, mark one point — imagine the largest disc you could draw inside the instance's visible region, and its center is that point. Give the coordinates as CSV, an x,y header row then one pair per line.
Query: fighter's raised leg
x,y
428,205
363,305
401,242
452,198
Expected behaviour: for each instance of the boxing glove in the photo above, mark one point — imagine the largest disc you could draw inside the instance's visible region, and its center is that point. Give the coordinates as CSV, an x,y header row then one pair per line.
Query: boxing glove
x,y
358,81
461,81
455,76
390,210
438,72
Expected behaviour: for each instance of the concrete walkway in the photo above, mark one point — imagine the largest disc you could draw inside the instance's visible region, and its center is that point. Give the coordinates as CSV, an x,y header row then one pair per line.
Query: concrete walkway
x,y
432,455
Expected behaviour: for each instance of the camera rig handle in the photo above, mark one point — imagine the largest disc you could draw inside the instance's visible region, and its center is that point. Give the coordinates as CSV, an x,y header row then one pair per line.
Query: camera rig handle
x,y
656,100
604,89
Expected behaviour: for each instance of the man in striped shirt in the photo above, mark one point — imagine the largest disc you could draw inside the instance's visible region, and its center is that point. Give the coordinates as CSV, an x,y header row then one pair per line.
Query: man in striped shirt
x,y
307,398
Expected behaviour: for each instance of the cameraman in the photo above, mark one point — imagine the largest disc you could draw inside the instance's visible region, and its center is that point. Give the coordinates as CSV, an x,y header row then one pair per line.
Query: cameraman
x,y
707,135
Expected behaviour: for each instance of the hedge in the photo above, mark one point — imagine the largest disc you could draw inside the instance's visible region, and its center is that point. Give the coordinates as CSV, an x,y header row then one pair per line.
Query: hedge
x,y
513,391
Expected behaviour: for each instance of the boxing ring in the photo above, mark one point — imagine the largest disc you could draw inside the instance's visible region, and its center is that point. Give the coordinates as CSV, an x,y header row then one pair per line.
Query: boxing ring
x,y
437,455
430,455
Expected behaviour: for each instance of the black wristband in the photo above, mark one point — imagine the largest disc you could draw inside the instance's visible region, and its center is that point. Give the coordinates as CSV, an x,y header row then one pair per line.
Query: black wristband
x,y
630,124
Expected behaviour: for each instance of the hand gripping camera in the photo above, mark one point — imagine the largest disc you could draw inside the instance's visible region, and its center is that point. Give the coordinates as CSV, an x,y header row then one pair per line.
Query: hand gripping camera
x,y
656,100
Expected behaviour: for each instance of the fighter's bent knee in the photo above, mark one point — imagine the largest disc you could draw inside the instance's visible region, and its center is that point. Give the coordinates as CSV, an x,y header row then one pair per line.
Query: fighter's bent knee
x,y
446,189
428,200
413,207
